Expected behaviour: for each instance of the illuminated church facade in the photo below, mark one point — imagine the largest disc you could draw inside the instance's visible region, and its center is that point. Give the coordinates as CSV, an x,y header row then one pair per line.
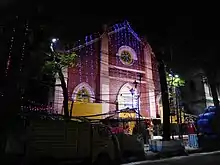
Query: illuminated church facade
x,y
116,69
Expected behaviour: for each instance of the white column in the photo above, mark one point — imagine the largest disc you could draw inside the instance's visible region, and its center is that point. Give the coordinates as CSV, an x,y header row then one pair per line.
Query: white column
x,y
104,72
150,82
58,93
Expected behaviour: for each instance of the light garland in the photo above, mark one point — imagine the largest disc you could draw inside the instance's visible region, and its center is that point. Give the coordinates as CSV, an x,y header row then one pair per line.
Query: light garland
x,y
125,36
45,108
24,45
92,59
86,63
119,35
10,51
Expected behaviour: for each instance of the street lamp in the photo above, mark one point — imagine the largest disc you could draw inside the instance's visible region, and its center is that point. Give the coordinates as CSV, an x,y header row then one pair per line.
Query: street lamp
x,y
138,97
53,42
132,93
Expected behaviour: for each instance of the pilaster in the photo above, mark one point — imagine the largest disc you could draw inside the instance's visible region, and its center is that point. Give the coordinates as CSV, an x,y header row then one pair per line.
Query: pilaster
x,y
150,87
104,73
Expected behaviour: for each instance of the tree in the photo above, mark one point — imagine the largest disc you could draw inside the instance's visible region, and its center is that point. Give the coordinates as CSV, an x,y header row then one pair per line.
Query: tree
x,y
174,81
54,65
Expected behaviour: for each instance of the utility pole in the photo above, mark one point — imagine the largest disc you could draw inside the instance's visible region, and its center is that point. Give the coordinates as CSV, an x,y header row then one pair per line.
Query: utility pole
x,y
139,97
165,101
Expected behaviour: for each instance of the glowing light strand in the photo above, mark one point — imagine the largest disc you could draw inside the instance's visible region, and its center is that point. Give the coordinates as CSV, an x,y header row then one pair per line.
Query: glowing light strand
x,y
24,45
86,64
10,51
112,30
117,47
92,59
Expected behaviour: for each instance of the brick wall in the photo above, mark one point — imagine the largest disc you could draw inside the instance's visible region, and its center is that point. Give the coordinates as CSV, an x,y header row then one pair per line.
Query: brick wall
x,y
86,69
156,80
115,42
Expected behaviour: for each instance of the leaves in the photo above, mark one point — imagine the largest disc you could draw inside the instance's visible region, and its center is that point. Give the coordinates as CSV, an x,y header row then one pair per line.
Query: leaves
x,y
49,68
58,61
67,60
174,81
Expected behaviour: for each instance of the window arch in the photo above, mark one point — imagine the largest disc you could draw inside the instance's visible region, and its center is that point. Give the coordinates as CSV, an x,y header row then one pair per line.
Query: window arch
x,y
126,99
83,93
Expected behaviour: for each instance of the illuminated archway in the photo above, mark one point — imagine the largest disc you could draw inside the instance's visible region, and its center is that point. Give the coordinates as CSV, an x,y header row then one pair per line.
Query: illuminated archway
x,y
126,99
83,93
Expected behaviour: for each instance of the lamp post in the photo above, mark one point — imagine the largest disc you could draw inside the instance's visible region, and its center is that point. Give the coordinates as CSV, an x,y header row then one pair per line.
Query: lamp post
x,y
132,93
138,97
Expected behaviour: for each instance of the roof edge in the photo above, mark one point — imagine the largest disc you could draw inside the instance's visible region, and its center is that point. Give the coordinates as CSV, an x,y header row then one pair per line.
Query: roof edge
x,y
110,30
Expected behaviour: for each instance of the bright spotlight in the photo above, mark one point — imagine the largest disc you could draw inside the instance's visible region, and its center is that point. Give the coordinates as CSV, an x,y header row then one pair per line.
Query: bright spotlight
x,y
54,40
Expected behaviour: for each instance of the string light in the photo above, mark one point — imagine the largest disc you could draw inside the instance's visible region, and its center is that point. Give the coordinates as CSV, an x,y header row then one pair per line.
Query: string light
x,y
92,59
85,58
24,45
10,51
119,35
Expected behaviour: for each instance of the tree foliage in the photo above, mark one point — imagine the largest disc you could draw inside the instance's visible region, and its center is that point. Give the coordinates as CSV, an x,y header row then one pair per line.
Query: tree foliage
x,y
53,66
174,81
58,61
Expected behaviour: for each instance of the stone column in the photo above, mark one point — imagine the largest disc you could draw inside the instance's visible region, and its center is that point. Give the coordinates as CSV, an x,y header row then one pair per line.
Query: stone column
x,y
58,93
150,87
104,71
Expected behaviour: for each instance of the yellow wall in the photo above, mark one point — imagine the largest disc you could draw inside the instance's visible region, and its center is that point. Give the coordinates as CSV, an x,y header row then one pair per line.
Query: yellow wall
x,y
86,109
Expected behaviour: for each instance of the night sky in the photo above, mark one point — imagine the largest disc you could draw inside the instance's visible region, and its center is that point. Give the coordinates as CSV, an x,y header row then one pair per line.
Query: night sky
x,y
187,28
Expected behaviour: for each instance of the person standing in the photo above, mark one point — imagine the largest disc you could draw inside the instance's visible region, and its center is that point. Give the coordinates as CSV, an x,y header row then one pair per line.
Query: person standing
x,y
192,135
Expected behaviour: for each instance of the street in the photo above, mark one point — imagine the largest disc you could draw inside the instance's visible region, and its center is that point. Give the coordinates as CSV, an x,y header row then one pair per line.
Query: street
x,y
211,158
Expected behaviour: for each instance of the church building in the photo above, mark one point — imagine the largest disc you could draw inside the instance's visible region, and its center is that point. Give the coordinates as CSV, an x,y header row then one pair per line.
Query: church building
x,y
114,70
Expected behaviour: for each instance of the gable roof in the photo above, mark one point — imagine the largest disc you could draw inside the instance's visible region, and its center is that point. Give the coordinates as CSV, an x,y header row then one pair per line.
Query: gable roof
x,y
111,30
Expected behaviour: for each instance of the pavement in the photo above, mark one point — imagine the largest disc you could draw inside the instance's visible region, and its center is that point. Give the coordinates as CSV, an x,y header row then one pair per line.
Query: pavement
x,y
199,158
154,156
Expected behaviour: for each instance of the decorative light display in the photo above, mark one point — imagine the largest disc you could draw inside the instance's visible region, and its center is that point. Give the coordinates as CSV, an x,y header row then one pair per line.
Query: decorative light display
x,y
37,108
26,28
119,35
10,51
80,70
124,35
24,45
91,51
85,59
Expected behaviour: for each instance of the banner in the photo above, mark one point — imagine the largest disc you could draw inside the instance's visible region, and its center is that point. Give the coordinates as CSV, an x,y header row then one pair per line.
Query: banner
x,y
86,109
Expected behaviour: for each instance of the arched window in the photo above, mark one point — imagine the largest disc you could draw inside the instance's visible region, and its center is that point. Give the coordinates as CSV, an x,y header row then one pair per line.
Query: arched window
x,y
127,97
83,93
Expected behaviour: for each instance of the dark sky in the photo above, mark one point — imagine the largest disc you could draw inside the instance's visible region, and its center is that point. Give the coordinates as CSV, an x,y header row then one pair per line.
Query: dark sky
x,y
146,17
187,27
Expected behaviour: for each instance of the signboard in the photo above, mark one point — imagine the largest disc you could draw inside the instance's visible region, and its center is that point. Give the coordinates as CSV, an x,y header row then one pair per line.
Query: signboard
x,y
86,109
